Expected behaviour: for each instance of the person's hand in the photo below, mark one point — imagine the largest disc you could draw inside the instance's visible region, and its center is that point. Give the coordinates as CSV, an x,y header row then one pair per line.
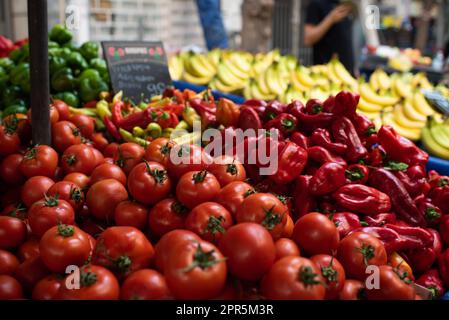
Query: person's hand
x,y
339,13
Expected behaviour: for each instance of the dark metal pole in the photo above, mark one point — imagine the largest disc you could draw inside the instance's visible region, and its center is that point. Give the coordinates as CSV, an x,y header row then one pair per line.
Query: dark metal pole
x,y
39,75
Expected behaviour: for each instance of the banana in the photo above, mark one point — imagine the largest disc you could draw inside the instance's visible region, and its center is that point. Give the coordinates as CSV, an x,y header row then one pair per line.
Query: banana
x,y
291,94
342,73
411,113
332,76
411,134
227,77
401,88
404,121
241,62
374,81
440,136
421,105
175,67
214,57
273,80
257,94
431,145
247,94
368,106
234,69
261,81
383,79
204,62
194,79
195,66
370,96
220,86
296,83
303,76
370,115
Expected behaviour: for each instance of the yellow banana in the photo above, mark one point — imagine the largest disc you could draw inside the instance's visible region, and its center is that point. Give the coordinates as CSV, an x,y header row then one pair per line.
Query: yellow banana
x,y
411,134
303,76
368,106
227,77
234,69
374,81
421,105
257,94
431,145
196,80
342,73
411,113
404,121
370,96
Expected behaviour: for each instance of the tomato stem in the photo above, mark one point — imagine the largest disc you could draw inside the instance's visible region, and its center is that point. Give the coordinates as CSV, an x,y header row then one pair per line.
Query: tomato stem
x,y
122,263
214,225
159,175
368,253
201,259
232,169
307,277
87,278
199,176
65,230
271,219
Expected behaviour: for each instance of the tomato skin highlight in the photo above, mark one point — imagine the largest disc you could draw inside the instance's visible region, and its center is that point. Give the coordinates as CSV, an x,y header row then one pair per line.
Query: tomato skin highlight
x,y
250,250
10,288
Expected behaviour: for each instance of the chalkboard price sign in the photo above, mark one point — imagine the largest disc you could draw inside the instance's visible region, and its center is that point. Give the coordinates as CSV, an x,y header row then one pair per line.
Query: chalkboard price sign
x,y
137,68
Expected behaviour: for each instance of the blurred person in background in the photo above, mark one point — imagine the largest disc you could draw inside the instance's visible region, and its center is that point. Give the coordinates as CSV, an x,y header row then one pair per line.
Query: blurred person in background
x,y
328,29
212,23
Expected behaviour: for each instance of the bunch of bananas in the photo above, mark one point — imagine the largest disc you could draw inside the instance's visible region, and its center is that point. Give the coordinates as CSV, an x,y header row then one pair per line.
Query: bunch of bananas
x,y
435,137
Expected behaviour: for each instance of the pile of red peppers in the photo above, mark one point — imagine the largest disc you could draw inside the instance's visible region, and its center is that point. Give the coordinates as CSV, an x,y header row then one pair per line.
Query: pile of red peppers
x,y
333,160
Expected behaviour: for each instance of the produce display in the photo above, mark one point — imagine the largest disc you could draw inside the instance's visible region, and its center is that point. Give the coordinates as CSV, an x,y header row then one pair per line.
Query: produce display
x,y
77,74
110,197
394,100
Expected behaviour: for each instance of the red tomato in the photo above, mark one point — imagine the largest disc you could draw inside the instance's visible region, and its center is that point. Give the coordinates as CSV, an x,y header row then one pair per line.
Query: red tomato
x,y
49,212
265,209
104,196
34,189
62,108
131,214
123,249
78,158
78,178
286,247
250,250
233,194
185,158
30,272
110,149
65,134
148,182
10,288
108,160
315,234
54,114
47,288
92,228
23,125
99,141
128,155
145,284
108,171
96,283
159,151
64,245
8,262
98,156
85,123
59,174
209,220
39,161
68,191
13,232
167,215
9,169
227,169
196,187
352,290
16,210
332,272
195,270
358,250
288,229
393,285
293,278
166,244
9,140
29,249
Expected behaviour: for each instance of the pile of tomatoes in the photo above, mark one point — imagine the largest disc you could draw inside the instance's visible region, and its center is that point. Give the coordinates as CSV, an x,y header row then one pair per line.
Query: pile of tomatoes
x,y
88,219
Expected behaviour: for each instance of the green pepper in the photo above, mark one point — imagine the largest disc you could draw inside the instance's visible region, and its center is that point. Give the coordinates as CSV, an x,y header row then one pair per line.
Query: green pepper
x,y
52,45
91,84
63,80
10,95
60,34
56,63
76,61
3,78
20,76
71,46
20,54
99,65
6,64
68,97
15,108
89,50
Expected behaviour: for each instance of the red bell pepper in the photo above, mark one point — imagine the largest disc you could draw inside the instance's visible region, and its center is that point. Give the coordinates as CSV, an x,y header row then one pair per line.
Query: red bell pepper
x,y
291,162
345,104
167,119
362,199
443,265
414,180
326,205
401,149
206,110
273,109
376,156
303,201
328,178
429,211
344,132
309,122
401,201
321,155
357,173
422,258
257,105
295,108
314,106
444,229
345,222
284,122
321,137
432,281
300,139
329,104
365,127
440,198
380,219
